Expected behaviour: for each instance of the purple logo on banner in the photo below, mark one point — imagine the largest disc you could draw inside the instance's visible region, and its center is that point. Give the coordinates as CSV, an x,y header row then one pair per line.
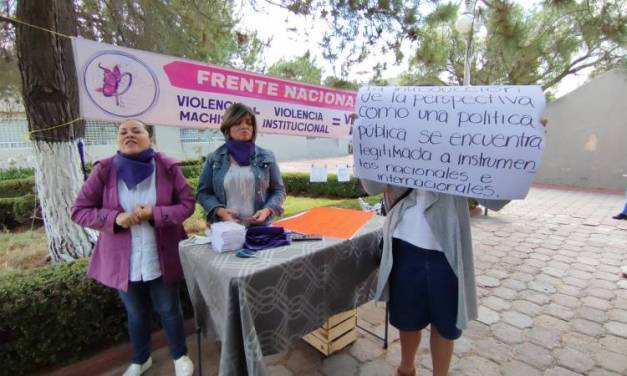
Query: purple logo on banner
x,y
111,83
128,89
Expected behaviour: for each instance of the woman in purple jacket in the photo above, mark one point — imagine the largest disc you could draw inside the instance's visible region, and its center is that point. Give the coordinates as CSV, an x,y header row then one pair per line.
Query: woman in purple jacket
x,y
138,200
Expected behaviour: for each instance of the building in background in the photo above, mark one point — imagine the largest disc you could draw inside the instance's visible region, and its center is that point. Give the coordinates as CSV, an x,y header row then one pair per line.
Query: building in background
x,y
100,141
586,142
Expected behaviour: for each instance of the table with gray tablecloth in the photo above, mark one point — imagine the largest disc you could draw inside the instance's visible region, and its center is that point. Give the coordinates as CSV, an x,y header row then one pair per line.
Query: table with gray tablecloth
x,y
258,306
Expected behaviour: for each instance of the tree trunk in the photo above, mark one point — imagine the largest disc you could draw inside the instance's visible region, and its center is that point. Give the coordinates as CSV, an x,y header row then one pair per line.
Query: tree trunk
x,y
50,94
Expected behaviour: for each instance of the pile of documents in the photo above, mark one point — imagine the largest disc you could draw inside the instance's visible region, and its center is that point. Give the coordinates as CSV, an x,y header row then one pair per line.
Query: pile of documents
x,y
227,236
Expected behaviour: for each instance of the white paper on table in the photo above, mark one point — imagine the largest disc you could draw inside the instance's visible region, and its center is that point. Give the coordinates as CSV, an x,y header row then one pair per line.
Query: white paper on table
x,y
227,236
343,173
318,174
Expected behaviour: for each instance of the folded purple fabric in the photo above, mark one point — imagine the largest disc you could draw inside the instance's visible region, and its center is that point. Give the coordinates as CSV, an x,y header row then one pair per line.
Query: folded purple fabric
x,y
264,237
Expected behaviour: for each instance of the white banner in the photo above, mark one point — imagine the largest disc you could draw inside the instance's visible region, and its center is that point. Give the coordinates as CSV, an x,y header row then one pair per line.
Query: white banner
x,y
118,83
475,141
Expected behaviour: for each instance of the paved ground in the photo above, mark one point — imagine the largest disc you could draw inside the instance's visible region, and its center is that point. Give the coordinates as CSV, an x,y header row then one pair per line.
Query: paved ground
x,y
552,301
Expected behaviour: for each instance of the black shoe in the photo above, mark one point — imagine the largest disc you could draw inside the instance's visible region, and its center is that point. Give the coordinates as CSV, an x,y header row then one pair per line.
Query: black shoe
x,y
620,216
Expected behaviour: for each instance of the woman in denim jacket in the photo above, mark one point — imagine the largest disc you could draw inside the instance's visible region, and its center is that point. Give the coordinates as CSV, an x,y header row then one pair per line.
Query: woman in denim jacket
x,y
241,181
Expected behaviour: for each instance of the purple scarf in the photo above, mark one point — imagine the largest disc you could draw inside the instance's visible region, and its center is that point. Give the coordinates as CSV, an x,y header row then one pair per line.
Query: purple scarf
x,y
264,237
241,151
133,169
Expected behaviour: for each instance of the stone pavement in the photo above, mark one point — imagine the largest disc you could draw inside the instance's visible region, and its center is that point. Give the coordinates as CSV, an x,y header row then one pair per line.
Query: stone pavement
x,y
552,300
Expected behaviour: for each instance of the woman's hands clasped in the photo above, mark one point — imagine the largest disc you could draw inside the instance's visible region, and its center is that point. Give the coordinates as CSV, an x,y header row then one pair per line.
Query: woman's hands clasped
x,y
142,213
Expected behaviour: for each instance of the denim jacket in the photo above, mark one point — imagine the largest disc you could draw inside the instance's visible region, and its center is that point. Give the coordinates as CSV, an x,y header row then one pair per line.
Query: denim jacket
x,y
269,188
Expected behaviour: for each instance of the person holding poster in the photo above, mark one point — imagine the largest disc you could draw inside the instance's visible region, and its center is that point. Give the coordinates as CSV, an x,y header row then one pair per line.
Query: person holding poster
x,y
138,200
429,148
426,272
241,181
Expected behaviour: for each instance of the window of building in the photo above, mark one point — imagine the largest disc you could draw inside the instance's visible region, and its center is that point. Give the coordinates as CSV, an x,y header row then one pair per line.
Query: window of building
x,y
100,132
13,133
200,135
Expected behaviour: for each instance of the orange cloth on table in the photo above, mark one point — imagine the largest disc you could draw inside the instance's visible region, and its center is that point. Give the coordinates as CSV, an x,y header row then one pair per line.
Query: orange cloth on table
x,y
335,222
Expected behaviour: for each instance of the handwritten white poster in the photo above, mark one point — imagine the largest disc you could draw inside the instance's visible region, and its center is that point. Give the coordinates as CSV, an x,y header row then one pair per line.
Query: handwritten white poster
x,y
475,141
118,83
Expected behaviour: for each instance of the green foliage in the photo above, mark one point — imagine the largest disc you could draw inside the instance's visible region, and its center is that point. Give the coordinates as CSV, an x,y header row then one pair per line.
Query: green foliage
x,y
524,46
301,69
296,204
297,184
17,201
198,30
193,183
339,83
192,170
17,187
530,45
55,314
16,173
9,70
190,162
16,210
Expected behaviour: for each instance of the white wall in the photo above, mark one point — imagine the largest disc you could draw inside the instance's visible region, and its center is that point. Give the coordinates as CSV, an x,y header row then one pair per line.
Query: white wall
x,y
167,139
587,135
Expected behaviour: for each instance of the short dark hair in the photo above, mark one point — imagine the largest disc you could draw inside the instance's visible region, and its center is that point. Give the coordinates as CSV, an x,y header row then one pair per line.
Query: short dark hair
x,y
233,115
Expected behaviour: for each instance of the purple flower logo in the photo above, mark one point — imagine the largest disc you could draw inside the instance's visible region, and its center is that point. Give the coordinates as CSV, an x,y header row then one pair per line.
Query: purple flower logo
x,y
119,83
111,82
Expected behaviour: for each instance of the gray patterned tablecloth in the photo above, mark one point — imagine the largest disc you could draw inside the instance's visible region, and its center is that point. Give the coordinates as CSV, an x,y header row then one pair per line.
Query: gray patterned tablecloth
x,y
257,306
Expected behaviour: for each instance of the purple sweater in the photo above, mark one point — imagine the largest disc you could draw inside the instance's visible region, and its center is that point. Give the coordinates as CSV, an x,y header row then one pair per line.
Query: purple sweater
x,y
98,204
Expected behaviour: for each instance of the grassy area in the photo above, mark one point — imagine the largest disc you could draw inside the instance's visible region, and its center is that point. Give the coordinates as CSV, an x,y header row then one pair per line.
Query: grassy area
x,y
28,250
22,251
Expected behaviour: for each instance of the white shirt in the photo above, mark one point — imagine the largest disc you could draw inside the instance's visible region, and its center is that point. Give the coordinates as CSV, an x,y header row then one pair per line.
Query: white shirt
x,y
144,257
239,188
413,226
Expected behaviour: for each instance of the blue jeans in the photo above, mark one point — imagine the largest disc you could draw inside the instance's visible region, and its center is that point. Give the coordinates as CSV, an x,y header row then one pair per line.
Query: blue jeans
x,y
139,301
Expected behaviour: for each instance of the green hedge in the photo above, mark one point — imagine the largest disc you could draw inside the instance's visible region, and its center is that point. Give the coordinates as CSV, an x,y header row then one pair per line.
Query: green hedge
x,y
193,183
16,173
191,162
16,210
17,187
192,170
55,315
297,183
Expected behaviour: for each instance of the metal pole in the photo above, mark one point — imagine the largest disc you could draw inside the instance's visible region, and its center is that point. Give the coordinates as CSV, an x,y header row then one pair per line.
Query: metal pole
x,y
470,7
199,339
467,60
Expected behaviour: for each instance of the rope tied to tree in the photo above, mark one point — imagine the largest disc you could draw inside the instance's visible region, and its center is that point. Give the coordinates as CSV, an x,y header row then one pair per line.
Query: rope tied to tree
x,y
29,134
13,19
